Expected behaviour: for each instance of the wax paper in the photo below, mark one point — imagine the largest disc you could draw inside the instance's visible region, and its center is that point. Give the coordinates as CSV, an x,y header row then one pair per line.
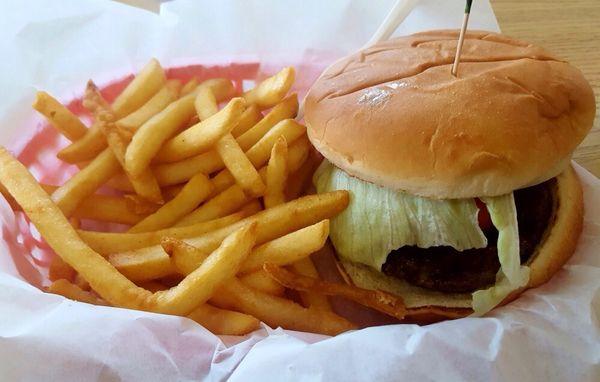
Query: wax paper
x,y
550,333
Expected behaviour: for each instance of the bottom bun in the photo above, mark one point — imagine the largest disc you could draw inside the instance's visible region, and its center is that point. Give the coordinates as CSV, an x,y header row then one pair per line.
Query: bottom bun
x,y
557,246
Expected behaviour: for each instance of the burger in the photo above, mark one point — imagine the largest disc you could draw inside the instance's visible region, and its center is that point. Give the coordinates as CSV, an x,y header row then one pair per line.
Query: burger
x,y
462,193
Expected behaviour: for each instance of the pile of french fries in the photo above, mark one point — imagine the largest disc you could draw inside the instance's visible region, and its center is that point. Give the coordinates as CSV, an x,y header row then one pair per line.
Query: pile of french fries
x,y
212,198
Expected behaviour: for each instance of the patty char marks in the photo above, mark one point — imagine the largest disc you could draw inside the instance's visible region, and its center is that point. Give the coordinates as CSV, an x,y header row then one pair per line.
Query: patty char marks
x,y
448,270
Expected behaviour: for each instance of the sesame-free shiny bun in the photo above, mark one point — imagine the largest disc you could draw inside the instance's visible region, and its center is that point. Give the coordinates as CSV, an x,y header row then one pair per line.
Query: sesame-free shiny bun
x,y
394,115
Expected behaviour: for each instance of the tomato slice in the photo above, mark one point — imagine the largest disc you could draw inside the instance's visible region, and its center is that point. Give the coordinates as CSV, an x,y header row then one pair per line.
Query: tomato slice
x,y
485,221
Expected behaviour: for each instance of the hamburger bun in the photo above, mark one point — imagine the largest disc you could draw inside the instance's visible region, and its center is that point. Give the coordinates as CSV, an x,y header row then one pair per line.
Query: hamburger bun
x,y
558,244
393,114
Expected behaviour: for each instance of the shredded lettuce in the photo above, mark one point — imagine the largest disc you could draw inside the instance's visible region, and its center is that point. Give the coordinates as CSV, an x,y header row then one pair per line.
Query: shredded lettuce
x,y
512,275
379,220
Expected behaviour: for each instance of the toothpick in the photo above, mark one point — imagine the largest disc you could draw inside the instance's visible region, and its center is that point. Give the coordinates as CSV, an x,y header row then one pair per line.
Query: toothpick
x,y
461,37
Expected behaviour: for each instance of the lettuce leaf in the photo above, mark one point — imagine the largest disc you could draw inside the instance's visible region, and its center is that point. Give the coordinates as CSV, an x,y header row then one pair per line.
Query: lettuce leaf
x,y
512,275
379,220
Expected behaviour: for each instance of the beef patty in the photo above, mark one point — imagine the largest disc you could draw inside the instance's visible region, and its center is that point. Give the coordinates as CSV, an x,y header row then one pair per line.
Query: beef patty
x,y
448,270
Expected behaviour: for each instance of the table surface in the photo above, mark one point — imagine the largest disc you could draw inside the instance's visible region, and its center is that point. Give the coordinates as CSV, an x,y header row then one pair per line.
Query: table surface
x,y
571,30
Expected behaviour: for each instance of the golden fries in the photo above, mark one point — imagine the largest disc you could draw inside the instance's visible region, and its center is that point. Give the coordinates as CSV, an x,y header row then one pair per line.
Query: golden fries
x,y
300,179
67,123
239,166
271,224
222,204
192,194
200,285
148,81
112,242
211,252
155,105
203,135
224,322
250,117
143,183
148,139
83,184
71,291
277,311
60,270
189,86
135,94
310,299
272,90
381,301
289,248
283,250
276,174
104,208
206,104
288,108
261,281
85,148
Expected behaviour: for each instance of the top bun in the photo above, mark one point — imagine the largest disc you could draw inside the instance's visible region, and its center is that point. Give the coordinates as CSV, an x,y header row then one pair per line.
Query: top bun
x,y
394,115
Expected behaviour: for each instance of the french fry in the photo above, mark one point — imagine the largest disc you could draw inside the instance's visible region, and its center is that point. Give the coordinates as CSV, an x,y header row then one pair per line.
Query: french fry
x,y
224,322
120,182
189,86
150,79
84,183
376,299
272,90
250,117
203,135
112,242
288,108
277,311
271,224
297,154
192,194
240,167
81,283
113,209
222,88
155,105
284,250
155,286
300,179
151,265
60,270
73,292
104,208
259,153
169,174
144,183
169,192
261,281
173,173
139,205
276,174
251,208
151,136
200,285
63,120
107,281
144,85
85,148
310,299
220,205
206,104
